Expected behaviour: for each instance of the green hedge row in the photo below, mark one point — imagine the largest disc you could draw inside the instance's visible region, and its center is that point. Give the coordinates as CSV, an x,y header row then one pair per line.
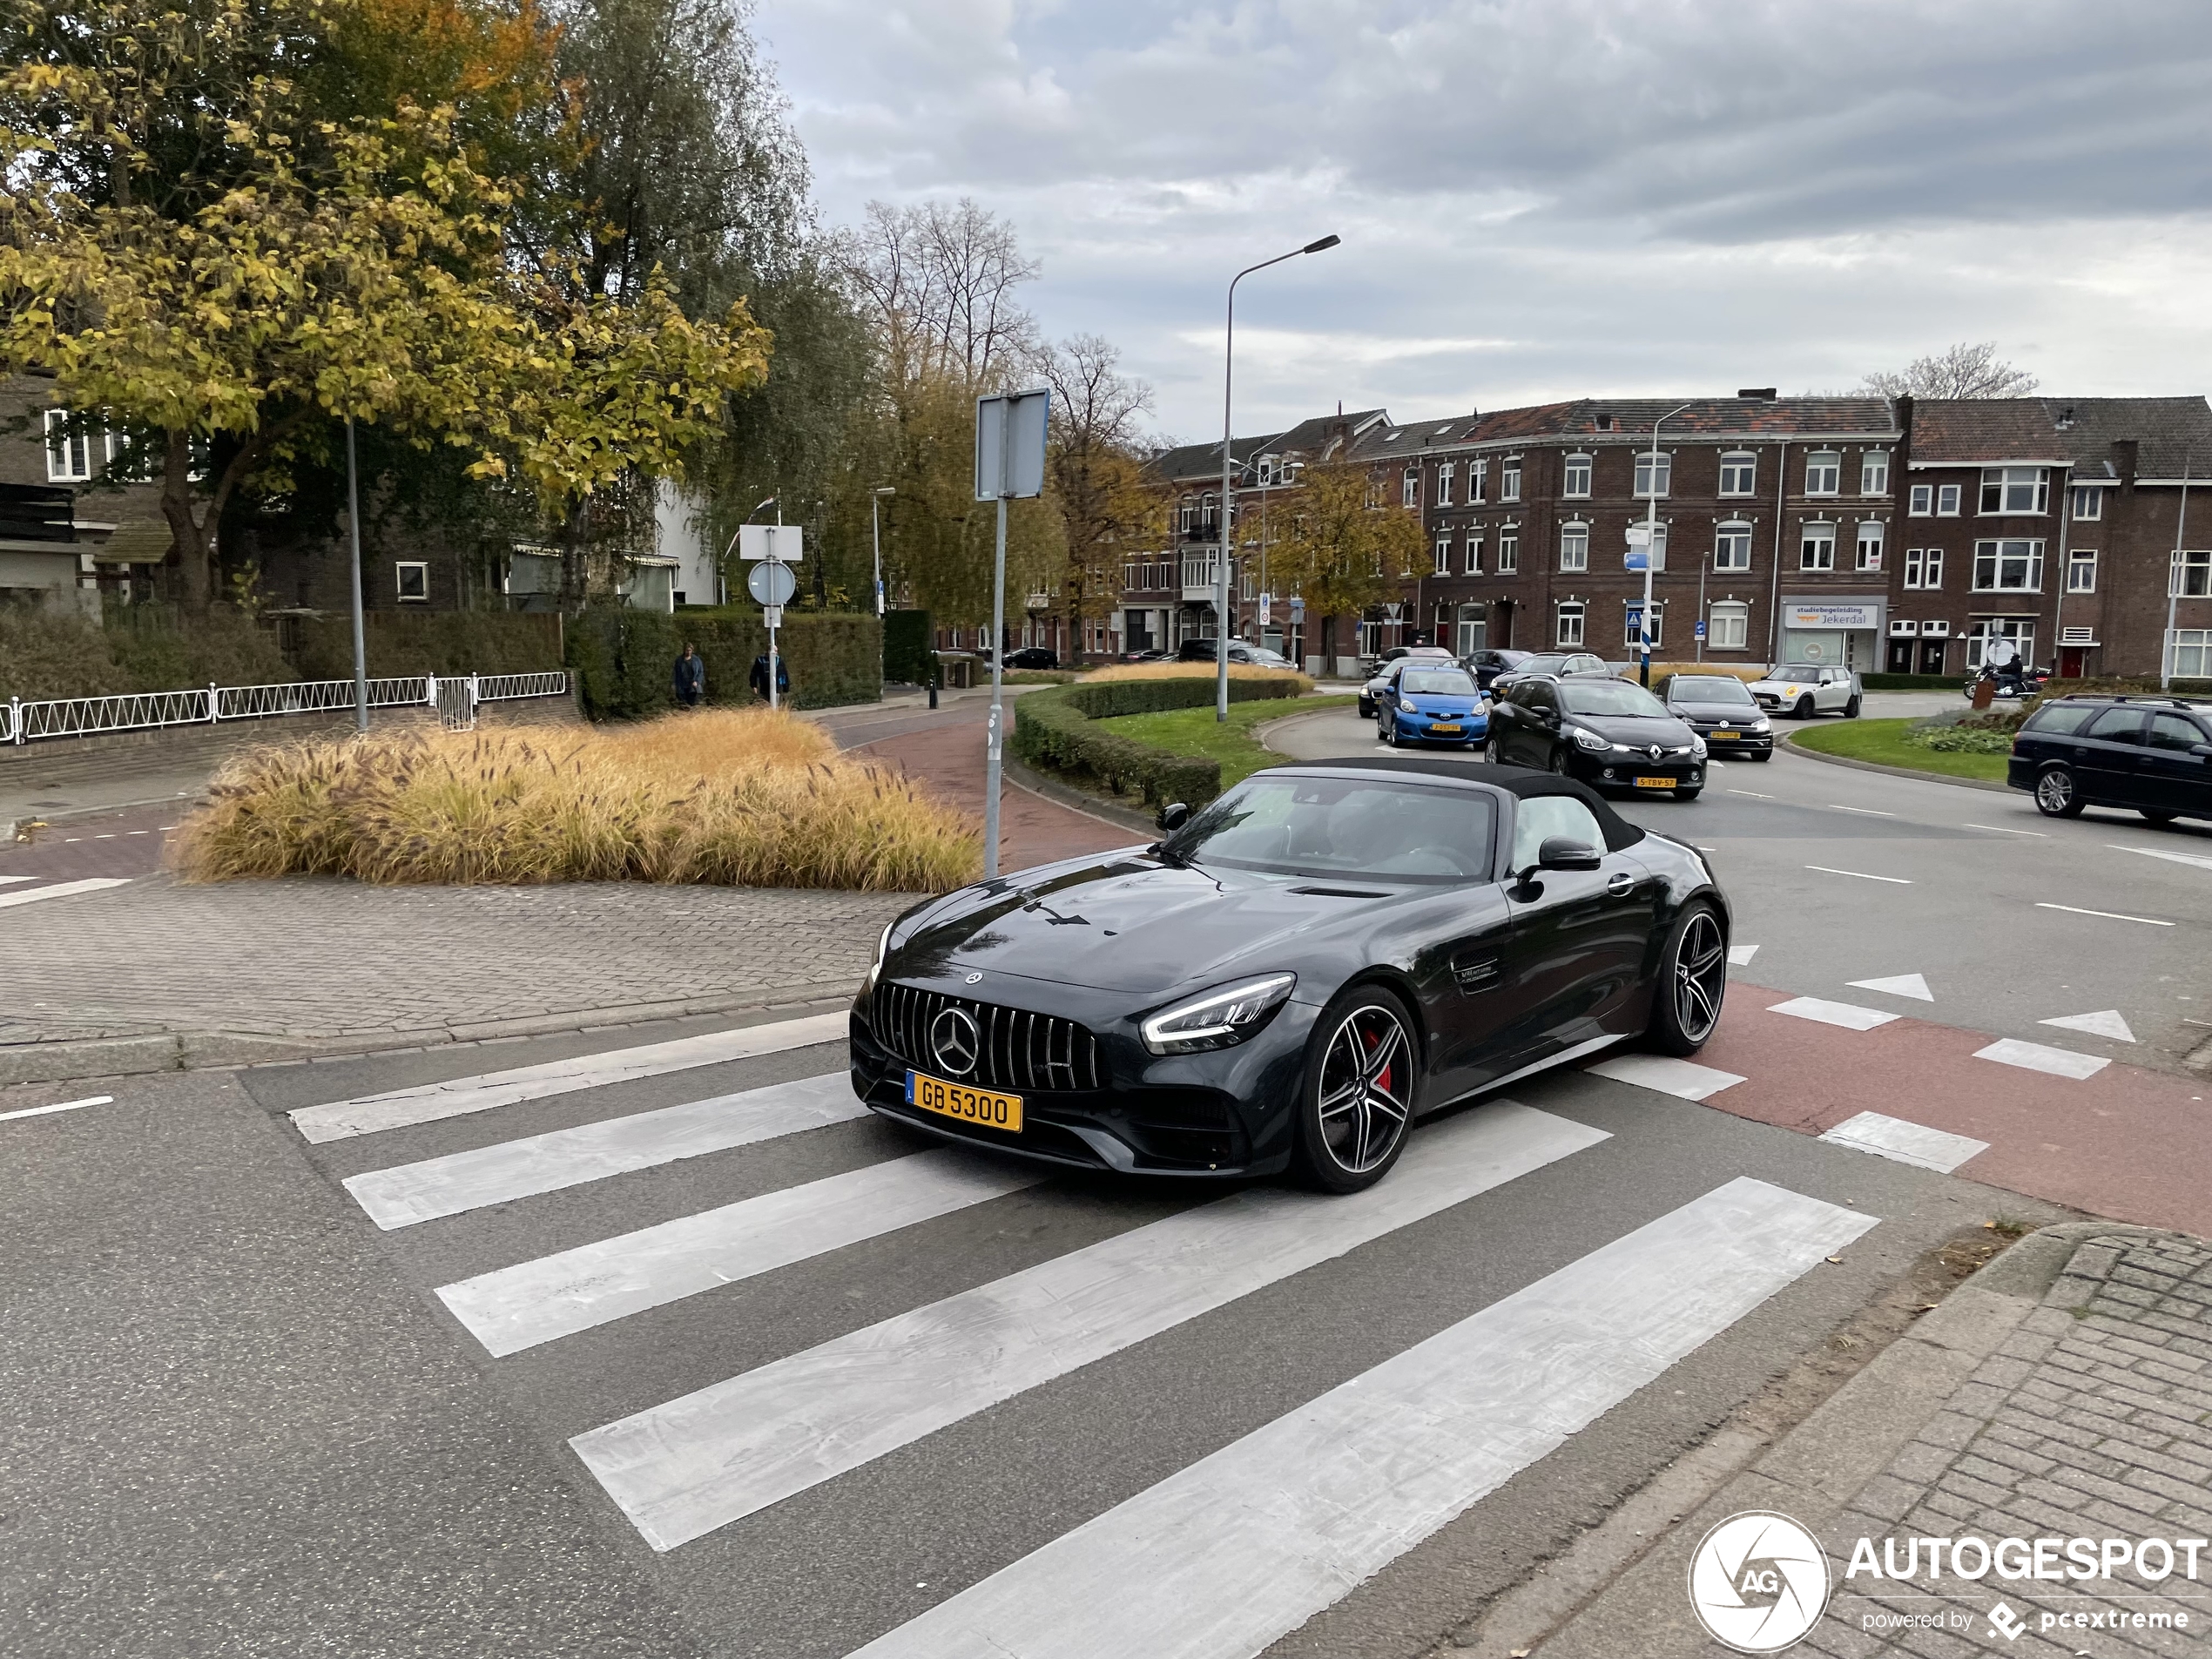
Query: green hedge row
x,y
907,639
625,660
52,654
426,642
1054,730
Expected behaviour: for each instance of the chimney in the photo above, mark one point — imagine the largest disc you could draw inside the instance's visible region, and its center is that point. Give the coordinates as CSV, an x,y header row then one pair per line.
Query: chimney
x,y
1764,393
1902,405
2123,461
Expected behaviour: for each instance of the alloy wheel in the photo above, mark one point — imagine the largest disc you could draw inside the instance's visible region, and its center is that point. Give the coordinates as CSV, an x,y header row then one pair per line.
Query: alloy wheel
x,y
1701,977
2054,791
1367,1089
1559,762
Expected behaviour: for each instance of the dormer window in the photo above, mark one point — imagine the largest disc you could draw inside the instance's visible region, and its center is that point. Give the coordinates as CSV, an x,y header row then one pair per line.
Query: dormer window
x,y
1604,423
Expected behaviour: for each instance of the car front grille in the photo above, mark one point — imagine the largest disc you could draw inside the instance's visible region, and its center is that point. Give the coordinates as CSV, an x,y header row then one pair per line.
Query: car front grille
x,y
1018,1050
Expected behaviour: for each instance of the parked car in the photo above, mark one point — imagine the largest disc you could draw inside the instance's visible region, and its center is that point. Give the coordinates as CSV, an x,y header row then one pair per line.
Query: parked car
x,y
1033,656
1206,651
1487,666
1721,709
1370,691
2151,753
1556,664
1803,689
1611,734
1445,928
1426,702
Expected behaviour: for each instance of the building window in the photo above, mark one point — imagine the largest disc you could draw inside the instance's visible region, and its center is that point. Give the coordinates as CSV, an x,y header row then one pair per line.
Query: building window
x,y
1823,473
1475,553
1658,625
2191,577
414,582
1653,472
1443,556
1478,481
1728,626
2088,502
1739,473
1817,549
1509,479
1923,501
1874,473
1444,485
2008,567
69,454
1870,546
1411,493
1186,516
1569,635
1924,567
1732,547
1947,500
1508,550
2190,651
2019,629
1578,477
2082,571
1575,547
2016,489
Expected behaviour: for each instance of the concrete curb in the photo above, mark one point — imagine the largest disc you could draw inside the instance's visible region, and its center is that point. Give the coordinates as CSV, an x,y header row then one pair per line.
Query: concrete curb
x,y
1791,741
1619,1589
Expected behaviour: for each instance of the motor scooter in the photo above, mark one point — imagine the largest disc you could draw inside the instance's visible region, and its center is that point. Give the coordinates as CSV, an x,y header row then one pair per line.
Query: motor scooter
x,y
2017,681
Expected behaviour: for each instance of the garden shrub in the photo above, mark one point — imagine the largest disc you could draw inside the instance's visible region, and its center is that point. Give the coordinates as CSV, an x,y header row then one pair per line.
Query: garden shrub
x,y
625,660
1056,730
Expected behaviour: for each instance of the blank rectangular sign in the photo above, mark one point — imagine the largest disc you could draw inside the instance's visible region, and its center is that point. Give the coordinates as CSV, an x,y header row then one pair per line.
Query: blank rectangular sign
x,y
1009,445
782,542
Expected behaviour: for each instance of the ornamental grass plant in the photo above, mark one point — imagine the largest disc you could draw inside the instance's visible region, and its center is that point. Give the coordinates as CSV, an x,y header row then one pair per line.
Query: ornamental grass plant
x,y
728,797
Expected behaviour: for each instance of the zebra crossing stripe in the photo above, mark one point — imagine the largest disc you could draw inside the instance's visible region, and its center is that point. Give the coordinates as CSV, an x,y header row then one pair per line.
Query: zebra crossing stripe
x,y
681,1469
65,889
555,1296
1224,1556
428,1102
409,1193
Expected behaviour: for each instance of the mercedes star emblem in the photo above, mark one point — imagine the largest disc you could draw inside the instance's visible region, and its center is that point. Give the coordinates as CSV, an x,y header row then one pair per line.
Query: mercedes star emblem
x,y
956,1041
975,979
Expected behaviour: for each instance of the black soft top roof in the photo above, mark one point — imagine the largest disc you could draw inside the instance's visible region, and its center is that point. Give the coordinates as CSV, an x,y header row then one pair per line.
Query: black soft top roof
x,y
1518,781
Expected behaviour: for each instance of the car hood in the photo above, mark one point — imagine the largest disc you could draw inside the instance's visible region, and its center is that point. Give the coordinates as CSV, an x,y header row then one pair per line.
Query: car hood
x,y
1133,923
1637,730
1441,702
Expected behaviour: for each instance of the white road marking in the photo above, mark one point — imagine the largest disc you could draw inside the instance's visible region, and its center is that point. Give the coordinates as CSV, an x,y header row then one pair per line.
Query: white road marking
x,y
1865,812
1894,880
63,1106
1229,1554
7,880
2109,915
2106,1022
1892,1138
1849,1015
427,1103
1753,793
65,889
1667,1074
407,1193
681,1469
1739,955
556,1295
2034,1056
2197,858
2039,834
1911,985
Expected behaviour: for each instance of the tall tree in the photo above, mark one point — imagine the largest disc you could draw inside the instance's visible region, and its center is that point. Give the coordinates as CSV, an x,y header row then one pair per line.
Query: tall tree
x,y
1964,370
1094,464
1350,545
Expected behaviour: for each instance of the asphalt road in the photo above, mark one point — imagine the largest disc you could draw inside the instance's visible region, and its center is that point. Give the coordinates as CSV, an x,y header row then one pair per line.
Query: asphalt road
x,y
242,1419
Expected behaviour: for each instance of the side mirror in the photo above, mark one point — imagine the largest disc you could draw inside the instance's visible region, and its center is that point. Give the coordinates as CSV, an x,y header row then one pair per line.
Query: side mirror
x,y
1173,817
2203,751
1564,852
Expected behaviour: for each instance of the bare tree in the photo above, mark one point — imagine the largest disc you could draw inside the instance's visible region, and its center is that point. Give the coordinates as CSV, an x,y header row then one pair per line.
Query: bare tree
x,y
939,283
1964,370
1095,463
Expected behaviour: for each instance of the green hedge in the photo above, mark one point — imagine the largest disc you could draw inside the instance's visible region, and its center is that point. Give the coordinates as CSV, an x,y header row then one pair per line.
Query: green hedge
x,y
52,654
429,641
906,638
625,660
1054,730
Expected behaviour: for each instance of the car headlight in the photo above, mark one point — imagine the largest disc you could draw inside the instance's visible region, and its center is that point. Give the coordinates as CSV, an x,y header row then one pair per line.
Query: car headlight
x,y
1697,746
1591,740
1408,705
1219,1019
882,949
1762,724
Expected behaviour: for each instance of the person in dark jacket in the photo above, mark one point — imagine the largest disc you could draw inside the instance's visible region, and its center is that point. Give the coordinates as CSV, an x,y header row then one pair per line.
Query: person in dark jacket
x,y
690,677
759,679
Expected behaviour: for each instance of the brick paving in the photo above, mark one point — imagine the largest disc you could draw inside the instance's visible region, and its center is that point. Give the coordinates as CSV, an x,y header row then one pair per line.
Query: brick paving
x,y
2093,1420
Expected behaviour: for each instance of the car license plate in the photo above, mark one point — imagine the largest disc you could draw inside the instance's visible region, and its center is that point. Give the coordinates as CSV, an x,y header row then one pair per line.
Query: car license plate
x,y
1725,737
1657,783
969,1105
1441,725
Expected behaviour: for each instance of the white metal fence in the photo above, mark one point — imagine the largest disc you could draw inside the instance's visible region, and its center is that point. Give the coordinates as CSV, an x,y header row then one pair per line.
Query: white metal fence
x,y
454,696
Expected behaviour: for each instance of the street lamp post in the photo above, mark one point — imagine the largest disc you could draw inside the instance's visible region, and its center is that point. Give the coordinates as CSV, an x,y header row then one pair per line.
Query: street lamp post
x,y
1227,474
1651,539
2174,583
876,534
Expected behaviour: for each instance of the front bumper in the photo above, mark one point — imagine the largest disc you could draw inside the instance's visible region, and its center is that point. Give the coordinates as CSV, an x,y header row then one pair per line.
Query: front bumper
x,y
1621,771
1719,748
1224,1114
1422,728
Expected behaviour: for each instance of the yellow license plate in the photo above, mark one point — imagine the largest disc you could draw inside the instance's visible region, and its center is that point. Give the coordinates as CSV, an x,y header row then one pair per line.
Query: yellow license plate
x,y
1440,726
1657,783
1725,737
969,1105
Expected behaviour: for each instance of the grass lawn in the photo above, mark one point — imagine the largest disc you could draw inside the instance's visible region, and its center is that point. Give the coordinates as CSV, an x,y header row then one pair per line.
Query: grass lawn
x,y
1194,732
1883,743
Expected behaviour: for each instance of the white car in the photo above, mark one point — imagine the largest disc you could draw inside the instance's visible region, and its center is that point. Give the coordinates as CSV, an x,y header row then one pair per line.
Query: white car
x,y
1803,689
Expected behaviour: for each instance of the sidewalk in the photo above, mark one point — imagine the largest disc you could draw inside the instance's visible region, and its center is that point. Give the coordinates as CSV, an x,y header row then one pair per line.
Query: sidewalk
x,y
2063,1393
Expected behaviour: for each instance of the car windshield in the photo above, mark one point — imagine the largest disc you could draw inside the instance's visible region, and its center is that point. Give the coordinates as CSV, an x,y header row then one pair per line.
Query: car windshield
x,y
1607,696
1796,671
1435,682
1344,827
1700,688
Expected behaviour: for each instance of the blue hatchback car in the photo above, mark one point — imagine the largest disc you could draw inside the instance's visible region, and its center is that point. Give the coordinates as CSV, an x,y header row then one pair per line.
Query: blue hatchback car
x,y
1432,705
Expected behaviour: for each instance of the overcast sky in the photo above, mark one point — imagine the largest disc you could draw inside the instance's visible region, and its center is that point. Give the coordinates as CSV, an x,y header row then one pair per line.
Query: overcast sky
x,y
1549,199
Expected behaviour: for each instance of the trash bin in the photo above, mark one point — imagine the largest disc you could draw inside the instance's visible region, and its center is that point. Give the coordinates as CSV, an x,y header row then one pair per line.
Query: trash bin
x,y
1984,691
955,669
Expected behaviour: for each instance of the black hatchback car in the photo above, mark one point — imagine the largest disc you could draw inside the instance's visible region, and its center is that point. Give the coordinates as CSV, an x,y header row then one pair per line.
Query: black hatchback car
x,y
2151,753
1721,709
1611,734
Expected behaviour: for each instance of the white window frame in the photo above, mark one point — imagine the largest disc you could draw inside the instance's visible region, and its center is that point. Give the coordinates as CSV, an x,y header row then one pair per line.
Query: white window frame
x,y
1647,474
2019,629
1740,473
1718,638
2082,571
69,454
1478,480
1924,568
1824,472
1869,554
1509,550
1575,546
1567,619
1874,472
1922,501
1992,552
1579,471
1444,483
1815,551
2088,504
1658,621
1732,535
1950,499
1475,553
2189,574
1411,492
1509,479
2006,482
400,568
2189,653
1443,557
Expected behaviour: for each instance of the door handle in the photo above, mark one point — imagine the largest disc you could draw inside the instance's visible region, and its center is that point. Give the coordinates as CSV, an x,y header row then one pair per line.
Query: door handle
x,y
1618,884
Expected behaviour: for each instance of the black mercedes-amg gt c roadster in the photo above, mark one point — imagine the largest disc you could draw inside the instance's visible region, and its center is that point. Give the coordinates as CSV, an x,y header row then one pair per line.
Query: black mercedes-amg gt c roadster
x,y
1292,975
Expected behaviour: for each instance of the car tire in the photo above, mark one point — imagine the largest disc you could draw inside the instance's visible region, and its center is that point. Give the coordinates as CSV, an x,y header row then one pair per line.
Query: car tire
x,y
1356,1101
2058,794
1764,754
1804,710
1689,794
1390,732
1851,709
1560,767
1693,981
2157,815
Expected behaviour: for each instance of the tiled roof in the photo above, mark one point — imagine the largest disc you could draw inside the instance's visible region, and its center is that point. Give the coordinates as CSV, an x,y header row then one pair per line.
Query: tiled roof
x,y
1713,416
1196,461
2081,430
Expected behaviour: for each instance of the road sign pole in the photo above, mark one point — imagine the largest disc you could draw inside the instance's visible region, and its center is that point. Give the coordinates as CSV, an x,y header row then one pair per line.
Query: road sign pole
x,y
772,615
996,733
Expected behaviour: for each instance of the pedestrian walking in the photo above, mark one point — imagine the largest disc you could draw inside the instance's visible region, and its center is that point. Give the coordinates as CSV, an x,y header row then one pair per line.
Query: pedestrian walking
x,y
760,680
690,677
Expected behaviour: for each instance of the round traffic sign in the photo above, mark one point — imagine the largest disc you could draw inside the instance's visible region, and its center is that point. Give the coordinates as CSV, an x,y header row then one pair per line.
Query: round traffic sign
x,y
771,584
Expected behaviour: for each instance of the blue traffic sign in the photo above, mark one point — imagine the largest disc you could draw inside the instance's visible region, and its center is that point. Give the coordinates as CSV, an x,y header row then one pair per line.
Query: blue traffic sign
x,y
1700,631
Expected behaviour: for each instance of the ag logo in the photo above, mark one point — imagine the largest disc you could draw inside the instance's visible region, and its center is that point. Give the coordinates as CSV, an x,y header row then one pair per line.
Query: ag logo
x,y
1758,1581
